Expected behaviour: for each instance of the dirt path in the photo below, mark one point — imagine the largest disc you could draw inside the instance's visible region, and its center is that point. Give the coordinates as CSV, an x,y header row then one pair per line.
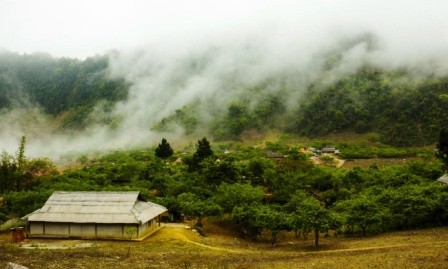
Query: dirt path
x,y
210,247
188,236
182,233
432,243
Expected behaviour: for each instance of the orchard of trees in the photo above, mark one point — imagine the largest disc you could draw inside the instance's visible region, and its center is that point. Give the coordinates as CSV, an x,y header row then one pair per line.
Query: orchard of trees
x,y
240,187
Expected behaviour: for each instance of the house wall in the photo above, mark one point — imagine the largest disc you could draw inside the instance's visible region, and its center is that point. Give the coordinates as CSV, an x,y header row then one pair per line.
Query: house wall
x,y
82,230
109,230
49,228
58,229
36,227
142,228
90,230
147,227
75,229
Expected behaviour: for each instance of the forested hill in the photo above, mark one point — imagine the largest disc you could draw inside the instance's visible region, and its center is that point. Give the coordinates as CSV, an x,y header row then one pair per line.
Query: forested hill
x,y
403,110
403,107
57,85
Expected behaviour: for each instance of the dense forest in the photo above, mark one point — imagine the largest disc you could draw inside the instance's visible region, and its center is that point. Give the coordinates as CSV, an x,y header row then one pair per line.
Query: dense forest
x,y
58,85
403,111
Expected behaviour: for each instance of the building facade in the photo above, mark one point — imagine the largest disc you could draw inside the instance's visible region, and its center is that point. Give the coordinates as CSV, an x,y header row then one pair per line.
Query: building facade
x,y
108,215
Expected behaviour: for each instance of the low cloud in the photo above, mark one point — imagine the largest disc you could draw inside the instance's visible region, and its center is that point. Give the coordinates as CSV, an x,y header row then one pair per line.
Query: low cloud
x,y
212,62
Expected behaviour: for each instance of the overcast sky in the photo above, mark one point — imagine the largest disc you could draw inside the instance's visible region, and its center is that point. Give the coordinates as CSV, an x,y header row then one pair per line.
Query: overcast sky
x,y
239,43
84,28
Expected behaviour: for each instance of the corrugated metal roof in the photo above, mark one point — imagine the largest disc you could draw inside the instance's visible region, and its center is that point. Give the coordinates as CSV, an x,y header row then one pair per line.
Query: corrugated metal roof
x,y
96,207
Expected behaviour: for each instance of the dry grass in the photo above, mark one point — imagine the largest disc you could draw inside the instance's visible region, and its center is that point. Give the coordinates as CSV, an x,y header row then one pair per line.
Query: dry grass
x,y
181,248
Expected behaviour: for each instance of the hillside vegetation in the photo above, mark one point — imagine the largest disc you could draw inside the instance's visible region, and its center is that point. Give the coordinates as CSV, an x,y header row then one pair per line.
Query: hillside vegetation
x,y
247,190
406,108
58,85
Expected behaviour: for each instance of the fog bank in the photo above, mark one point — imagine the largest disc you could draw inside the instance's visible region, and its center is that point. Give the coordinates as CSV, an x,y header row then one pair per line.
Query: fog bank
x,y
180,52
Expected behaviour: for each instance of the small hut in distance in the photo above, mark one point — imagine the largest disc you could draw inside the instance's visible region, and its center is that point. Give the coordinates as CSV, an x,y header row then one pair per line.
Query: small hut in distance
x,y
330,150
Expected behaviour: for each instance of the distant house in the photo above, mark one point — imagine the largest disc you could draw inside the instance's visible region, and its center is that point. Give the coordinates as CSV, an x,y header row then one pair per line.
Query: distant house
x,y
330,150
443,179
115,215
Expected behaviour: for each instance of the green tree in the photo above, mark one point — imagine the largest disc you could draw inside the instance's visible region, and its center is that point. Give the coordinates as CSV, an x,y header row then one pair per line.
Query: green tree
x,y
40,167
192,205
216,172
410,206
130,231
273,220
8,172
203,150
311,215
442,147
253,219
297,218
21,203
238,119
257,168
164,150
362,211
245,218
229,196
316,217
14,172
21,153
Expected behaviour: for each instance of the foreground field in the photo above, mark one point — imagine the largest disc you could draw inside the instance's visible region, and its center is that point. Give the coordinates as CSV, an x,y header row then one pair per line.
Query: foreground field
x,y
176,247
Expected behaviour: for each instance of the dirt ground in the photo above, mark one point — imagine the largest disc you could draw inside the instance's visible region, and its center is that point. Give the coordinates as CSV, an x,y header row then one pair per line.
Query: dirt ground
x,y
177,247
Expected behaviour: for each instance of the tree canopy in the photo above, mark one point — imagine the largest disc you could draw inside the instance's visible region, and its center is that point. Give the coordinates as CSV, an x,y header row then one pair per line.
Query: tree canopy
x,y
164,150
203,149
442,146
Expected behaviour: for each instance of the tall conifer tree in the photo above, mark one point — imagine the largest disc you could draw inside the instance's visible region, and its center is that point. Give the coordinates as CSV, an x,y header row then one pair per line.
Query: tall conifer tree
x,y
204,150
164,150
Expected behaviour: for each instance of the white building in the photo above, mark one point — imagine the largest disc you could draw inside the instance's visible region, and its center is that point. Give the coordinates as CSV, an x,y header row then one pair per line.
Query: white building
x,y
114,215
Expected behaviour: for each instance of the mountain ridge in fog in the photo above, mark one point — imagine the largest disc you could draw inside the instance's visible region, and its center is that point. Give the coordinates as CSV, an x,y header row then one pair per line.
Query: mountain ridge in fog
x,y
223,89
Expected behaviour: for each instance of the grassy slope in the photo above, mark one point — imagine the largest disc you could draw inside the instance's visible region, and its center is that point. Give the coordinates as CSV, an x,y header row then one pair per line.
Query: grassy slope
x,y
181,248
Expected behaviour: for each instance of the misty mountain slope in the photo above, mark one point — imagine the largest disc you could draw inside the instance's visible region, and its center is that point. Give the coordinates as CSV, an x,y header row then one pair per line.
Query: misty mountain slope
x,y
57,85
227,89
223,90
225,80
405,111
